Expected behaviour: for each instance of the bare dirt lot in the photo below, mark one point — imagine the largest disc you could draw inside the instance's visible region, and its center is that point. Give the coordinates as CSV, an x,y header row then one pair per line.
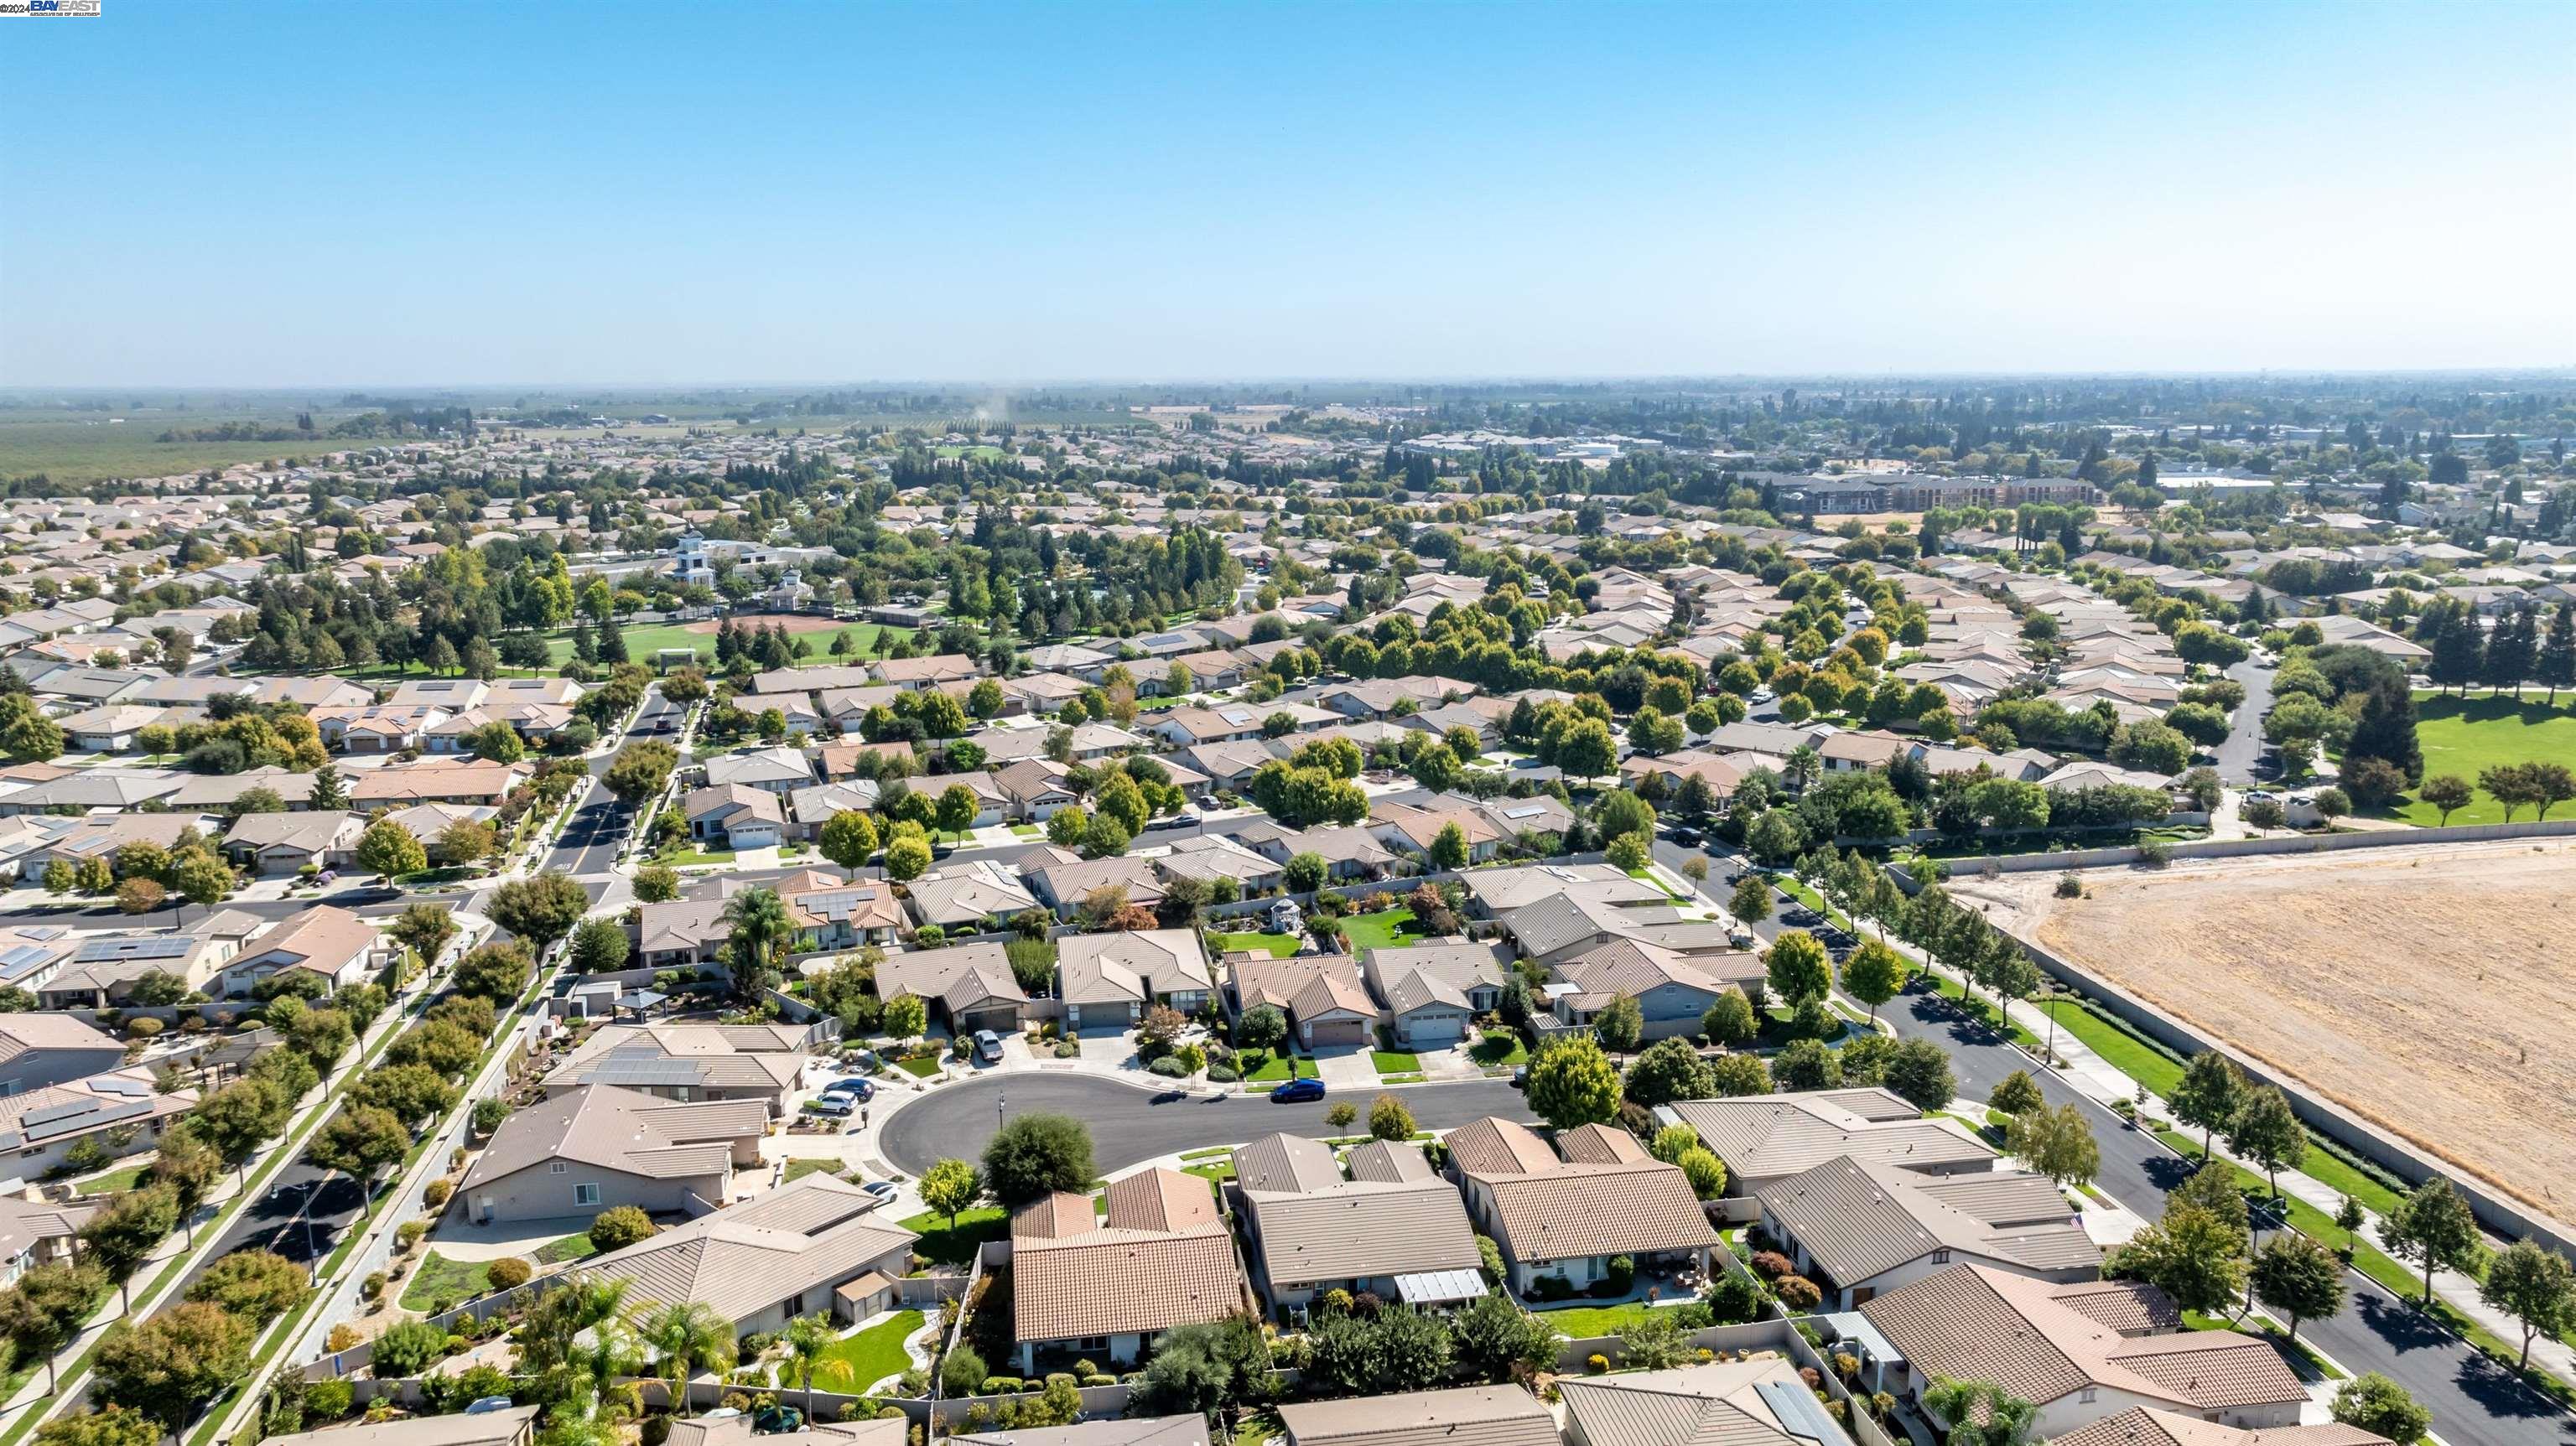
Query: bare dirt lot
x,y
2430,990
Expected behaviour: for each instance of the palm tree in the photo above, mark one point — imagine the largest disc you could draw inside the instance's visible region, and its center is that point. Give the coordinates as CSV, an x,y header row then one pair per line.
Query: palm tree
x,y
808,1337
688,1337
760,931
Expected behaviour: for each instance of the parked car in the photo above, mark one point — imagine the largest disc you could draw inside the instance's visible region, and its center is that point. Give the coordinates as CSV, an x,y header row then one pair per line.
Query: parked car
x,y
1687,837
988,1047
880,1191
1520,1078
1297,1091
856,1088
839,1107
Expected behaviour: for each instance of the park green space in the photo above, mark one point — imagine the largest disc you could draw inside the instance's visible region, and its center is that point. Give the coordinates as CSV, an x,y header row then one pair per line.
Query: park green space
x,y
2462,736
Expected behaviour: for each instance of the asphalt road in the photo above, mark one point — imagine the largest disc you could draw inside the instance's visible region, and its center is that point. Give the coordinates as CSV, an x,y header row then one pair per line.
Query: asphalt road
x,y
1129,1123
278,1221
2240,753
2474,1401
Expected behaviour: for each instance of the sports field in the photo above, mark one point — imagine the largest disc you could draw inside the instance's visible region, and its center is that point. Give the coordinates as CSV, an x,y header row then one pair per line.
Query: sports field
x,y
2424,988
2460,736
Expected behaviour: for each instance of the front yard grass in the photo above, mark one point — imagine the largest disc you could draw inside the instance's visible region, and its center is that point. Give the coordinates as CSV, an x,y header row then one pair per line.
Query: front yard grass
x,y
683,858
798,1169
1390,1061
1279,1069
1499,1049
1384,929
567,1250
855,1362
923,1068
114,1182
945,1244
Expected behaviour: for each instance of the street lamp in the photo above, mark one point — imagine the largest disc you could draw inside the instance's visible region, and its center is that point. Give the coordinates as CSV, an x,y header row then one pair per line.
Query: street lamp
x,y
1001,1102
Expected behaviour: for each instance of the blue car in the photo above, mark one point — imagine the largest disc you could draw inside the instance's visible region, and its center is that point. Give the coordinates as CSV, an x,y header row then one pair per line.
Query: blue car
x,y
1297,1091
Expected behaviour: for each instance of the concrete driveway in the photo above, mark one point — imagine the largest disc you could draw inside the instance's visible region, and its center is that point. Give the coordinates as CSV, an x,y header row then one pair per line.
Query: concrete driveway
x,y
1346,1069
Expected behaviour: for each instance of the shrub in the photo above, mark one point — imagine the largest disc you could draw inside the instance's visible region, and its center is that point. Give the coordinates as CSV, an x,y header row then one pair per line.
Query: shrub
x,y
1797,1292
409,1234
373,1286
436,1196
1223,1074
143,1028
343,1336
509,1271
962,1372
1771,1264
1169,1067
1597,1363
618,1227
2069,886
329,1400
1001,1386
1733,1299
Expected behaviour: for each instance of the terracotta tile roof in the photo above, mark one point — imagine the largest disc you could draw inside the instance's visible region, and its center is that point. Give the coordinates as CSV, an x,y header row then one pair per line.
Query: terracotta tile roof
x,y
2145,1426
1287,1164
1115,1278
1577,1210
1600,1145
1482,1415
1496,1146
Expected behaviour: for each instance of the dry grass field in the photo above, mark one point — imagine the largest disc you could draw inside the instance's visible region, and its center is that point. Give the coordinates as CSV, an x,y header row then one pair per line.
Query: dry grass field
x,y
2430,990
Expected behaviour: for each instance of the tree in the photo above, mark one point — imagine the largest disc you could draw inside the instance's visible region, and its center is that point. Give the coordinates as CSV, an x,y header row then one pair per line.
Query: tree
x,y
1620,1025
638,773
599,945
121,1237
619,1226
258,1285
908,856
2207,1095
1624,813
2433,1225
239,1118
758,934
2381,1407
687,1337
190,1168
808,1339
467,840
1305,872
906,1016
655,884
425,929
1669,1070
1918,1071
1036,1155
1980,1414
497,972
2299,1278
27,735
2056,1142
387,849
1729,1019
173,1363
1806,1064
1261,1029
413,1093
848,838
2265,1131
328,791
45,1310
114,1426
1733,1076
956,809
495,742
1496,1341
1389,1119
1571,1083
951,1186
360,1140
139,896
540,910
1751,901
2191,1255
1207,1368
2534,1286
2017,1092
1874,974
2509,784
1798,968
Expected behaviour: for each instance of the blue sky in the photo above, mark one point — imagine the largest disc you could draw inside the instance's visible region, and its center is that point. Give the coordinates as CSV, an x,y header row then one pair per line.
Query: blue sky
x,y
412,193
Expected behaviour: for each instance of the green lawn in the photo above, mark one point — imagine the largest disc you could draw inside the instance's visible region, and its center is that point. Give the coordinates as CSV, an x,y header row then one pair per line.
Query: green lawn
x,y
114,1182
1394,1061
1596,1320
1278,946
1276,1071
679,857
2461,736
438,1278
1499,1049
799,1169
856,1362
922,1068
2126,1052
567,1250
1382,930
947,1245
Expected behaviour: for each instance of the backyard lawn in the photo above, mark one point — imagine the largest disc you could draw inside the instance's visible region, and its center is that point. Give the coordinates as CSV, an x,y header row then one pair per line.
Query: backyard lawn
x,y
114,1182
1382,930
855,1362
946,1245
1279,946
439,1282
2461,736
1596,1320
799,1169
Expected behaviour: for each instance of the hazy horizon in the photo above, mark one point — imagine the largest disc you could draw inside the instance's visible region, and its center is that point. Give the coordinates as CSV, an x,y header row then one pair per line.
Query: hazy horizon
x,y
1017,195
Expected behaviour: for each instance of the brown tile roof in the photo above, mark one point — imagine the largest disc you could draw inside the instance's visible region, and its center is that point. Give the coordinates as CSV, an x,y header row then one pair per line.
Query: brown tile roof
x,y
1764,1137
1481,1415
1716,1404
1600,1145
1496,1146
1355,1230
1859,1220
1287,1164
810,1233
1388,1162
1576,1210
1164,1200
2145,1426
1123,1276
625,1130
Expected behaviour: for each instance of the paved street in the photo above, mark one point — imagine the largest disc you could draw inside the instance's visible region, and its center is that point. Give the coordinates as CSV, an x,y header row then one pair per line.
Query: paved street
x,y
1130,1123
2241,750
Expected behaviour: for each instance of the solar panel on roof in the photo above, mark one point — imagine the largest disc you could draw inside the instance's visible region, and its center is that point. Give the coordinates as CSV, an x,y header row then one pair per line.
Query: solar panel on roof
x,y
645,1072
64,1111
111,1085
99,1115
151,946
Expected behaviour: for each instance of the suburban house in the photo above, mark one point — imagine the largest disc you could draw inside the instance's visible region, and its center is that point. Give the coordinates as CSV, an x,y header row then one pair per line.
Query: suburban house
x,y
1481,1415
2078,1352
1861,1230
1564,1220
101,969
446,779
2147,1426
1757,1402
1412,831
122,1110
838,913
1106,1286
1764,1139
964,895
99,836
35,1231
1433,990
719,1430
1063,885
1672,989
333,943
1108,981
734,815
601,1146
1214,858
681,934
967,986
275,844
1348,853
915,674
37,1050
815,805
768,1260
1320,995
1393,1229
1560,926
779,771
688,1062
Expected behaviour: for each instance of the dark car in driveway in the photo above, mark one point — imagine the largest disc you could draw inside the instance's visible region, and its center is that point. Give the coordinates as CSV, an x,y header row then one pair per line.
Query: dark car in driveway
x,y
1297,1091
